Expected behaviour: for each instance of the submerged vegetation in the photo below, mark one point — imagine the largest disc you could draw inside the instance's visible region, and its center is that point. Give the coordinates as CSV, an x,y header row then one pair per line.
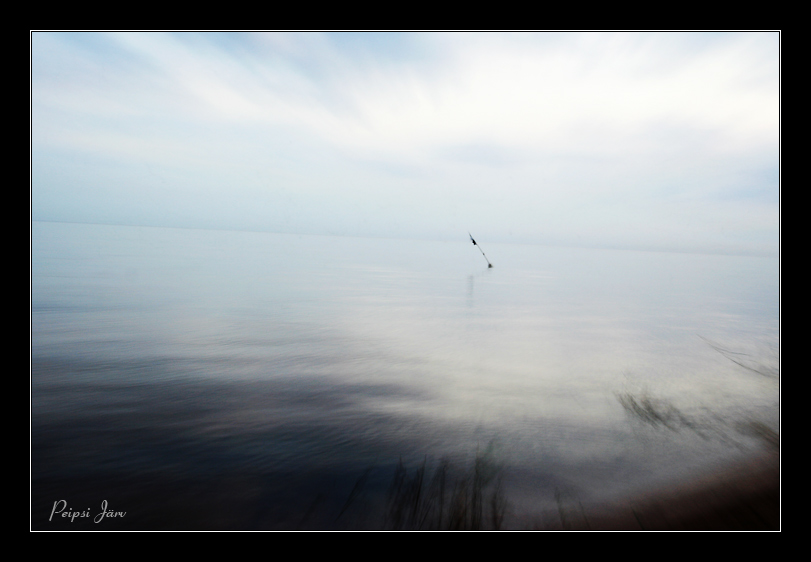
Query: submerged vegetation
x,y
654,412
472,500
749,362
660,413
440,495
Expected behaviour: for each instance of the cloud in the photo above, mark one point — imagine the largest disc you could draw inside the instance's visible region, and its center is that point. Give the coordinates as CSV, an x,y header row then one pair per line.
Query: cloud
x,y
570,120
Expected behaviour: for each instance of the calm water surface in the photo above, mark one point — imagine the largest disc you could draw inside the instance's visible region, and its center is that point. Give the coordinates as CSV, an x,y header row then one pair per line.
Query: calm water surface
x,y
209,379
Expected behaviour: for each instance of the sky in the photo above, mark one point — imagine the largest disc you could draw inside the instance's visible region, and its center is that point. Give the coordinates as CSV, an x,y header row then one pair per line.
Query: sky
x,y
653,141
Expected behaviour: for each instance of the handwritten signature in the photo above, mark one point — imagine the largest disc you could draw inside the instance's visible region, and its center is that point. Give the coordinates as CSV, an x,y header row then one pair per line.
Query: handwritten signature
x,y
61,509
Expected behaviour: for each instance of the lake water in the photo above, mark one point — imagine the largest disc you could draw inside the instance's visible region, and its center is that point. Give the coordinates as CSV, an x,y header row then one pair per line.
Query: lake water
x,y
210,379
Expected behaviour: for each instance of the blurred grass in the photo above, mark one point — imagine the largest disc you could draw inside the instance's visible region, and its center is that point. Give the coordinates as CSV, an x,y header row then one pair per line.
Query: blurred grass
x,y
446,499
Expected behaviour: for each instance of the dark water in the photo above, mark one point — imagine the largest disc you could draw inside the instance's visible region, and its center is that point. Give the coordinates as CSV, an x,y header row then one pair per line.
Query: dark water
x,y
206,379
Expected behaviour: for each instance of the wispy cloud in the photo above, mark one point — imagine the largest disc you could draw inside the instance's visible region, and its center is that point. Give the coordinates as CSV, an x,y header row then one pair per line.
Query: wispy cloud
x,y
620,130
